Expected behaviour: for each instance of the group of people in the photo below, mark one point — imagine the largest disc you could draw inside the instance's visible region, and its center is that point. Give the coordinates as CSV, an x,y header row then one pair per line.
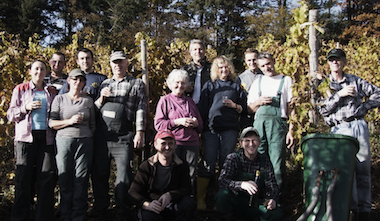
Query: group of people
x,y
73,125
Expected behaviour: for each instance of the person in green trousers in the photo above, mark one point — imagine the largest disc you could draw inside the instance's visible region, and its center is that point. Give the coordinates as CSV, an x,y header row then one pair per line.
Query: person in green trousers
x,y
248,188
269,98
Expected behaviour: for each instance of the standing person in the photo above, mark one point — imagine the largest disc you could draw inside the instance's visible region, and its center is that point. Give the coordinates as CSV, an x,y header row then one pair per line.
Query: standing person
x,y
344,112
198,70
269,98
85,60
248,188
221,103
246,79
120,129
34,149
161,188
56,77
178,113
73,116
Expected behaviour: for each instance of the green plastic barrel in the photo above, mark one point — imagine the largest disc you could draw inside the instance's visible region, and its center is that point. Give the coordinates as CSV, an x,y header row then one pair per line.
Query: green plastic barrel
x,y
326,152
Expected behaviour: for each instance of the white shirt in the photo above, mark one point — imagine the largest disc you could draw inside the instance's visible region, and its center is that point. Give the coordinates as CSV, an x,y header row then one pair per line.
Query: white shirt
x,y
269,88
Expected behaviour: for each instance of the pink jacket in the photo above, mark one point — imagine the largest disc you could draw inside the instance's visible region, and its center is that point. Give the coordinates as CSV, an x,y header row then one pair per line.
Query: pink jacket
x,y
22,95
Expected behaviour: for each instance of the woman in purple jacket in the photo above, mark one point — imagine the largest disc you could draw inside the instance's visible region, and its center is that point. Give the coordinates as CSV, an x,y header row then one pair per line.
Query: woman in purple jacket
x,y
179,113
34,148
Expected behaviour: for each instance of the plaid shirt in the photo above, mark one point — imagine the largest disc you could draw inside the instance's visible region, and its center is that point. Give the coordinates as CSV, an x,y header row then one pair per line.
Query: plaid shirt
x,y
227,178
336,109
132,96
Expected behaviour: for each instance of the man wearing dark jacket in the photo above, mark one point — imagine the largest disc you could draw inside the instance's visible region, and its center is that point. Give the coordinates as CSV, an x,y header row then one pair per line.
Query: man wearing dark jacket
x,y
161,188
198,70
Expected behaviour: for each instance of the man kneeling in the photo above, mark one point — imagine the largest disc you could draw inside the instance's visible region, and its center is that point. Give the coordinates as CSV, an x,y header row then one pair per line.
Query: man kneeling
x,y
162,185
248,188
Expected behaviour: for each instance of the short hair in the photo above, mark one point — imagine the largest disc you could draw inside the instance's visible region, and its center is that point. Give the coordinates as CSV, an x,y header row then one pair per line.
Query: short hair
x,y
251,50
85,50
196,41
265,55
182,74
37,60
214,73
59,54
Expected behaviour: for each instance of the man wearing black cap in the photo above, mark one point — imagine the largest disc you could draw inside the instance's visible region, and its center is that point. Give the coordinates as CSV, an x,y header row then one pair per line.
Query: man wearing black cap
x,y
120,129
246,179
344,111
162,187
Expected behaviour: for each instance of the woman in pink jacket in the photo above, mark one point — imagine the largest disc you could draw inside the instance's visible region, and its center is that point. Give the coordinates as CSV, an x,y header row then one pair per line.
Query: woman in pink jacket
x,y
179,113
34,149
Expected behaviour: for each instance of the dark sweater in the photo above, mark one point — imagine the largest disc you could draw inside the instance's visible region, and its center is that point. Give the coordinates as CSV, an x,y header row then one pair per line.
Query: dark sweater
x,y
215,116
142,188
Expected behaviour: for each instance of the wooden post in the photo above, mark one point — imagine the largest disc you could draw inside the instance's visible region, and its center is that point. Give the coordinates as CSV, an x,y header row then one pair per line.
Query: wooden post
x,y
145,79
313,62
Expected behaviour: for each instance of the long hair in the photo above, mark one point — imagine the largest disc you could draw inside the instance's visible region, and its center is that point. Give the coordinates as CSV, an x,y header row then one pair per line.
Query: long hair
x,y
215,68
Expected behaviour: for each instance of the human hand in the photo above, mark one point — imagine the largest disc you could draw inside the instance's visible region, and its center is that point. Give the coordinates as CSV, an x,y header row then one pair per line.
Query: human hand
x,y
76,119
271,204
289,139
250,186
229,103
139,140
349,90
33,105
264,100
154,206
185,121
105,92
165,200
194,122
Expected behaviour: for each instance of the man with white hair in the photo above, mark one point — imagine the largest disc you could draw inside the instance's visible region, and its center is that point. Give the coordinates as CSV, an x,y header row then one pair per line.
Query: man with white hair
x,y
120,129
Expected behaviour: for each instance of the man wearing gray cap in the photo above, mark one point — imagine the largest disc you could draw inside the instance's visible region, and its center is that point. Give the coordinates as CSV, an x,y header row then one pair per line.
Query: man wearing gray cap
x,y
120,129
248,187
344,111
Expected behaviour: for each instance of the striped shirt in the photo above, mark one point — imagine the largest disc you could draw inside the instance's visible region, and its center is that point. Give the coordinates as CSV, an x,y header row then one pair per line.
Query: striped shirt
x,y
336,109
227,179
131,92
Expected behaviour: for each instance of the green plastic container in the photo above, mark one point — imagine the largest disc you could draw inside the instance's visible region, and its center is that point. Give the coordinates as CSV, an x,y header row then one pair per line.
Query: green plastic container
x,y
326,152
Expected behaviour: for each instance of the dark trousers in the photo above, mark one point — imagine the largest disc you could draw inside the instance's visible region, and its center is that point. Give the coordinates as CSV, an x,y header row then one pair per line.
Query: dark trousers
x,y
182,211
121,149
34,159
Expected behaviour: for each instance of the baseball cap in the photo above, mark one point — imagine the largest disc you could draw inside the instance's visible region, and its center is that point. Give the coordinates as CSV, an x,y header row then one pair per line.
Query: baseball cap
x,y
164,134
117,55
247,130
77,73
336,52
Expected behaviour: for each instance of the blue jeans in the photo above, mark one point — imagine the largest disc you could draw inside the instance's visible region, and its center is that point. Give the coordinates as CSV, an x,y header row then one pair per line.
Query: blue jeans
x,y
74,160
121,150
39,157
190,155
223,142
361,191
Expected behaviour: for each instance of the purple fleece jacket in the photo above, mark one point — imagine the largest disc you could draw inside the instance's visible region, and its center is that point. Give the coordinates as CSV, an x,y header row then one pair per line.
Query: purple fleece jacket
x,y
171,107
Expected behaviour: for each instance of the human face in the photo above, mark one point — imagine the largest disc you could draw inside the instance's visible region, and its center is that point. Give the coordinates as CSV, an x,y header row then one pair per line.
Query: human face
x,y
38,72
178,86
250,60
197,52
267,67
57,63
85,61
165,147
77,83
224,71
336,64
250,144
119,68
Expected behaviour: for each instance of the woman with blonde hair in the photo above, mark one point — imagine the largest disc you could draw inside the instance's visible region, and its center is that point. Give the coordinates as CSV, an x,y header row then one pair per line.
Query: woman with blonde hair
x,y
221,103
